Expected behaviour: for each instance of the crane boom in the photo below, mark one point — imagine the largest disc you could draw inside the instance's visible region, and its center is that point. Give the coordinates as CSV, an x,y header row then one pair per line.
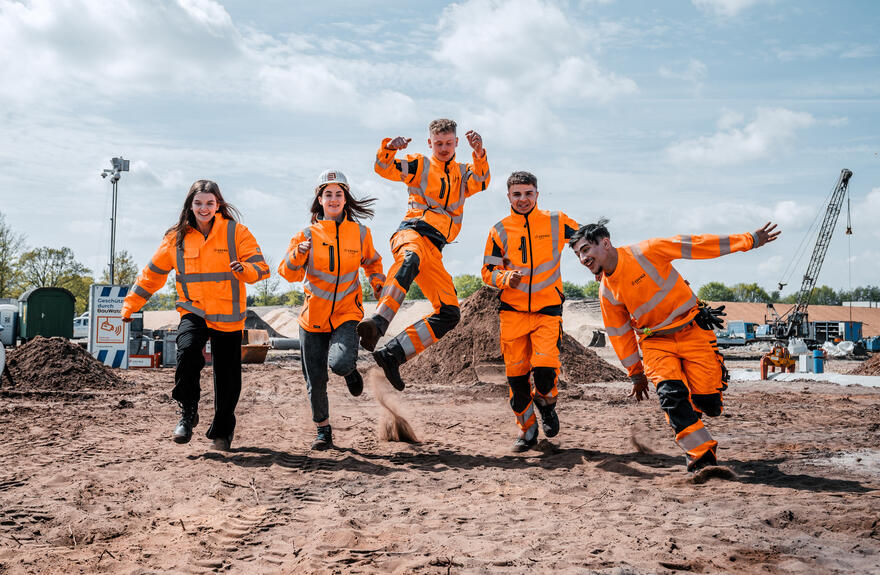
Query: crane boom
x,y
797,316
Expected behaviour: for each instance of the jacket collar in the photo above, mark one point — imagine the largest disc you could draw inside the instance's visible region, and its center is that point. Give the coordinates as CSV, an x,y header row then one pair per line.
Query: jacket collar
x,y
526,215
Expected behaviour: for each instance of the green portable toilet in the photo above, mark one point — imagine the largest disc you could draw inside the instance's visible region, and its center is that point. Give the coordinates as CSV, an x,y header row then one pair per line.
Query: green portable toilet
x,y
46,311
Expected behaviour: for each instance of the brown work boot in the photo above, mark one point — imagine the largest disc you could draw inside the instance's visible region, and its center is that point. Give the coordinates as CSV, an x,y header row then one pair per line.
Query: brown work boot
x,y
391,366
368,331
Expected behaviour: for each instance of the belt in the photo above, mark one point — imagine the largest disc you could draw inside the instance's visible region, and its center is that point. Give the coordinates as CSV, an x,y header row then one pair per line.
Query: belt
x,y
648,332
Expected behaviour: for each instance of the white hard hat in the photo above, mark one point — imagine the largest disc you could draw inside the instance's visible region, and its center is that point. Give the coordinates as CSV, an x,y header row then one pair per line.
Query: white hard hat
x,y
331,177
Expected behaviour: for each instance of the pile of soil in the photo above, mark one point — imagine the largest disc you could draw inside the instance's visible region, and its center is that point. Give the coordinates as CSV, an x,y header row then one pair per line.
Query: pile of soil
x,y
869,367
55,364
475,340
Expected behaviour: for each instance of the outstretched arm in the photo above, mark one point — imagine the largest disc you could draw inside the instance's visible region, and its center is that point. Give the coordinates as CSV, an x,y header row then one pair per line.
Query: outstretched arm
x,y
388,167
151,278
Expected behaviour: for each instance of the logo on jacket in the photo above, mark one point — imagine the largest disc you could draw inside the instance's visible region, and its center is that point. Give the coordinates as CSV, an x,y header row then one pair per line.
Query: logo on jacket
x,y
638,279
221,250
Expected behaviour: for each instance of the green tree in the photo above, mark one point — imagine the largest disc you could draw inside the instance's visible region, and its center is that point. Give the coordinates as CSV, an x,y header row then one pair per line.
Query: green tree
x,y
164,298
466,284
750,293
572,291
716,291
591,289
824,295
294,298
415,292
11,245
48,267
125,271
863,293
265,290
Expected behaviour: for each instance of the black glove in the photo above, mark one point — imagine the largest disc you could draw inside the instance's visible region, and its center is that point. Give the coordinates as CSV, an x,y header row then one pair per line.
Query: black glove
x,y
709,318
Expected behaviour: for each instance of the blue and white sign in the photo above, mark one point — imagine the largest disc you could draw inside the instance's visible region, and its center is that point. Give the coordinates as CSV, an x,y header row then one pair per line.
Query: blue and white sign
x,y
108,334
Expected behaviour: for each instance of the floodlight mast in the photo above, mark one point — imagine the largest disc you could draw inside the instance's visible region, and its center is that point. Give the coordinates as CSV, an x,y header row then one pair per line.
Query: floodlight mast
x,y
119,165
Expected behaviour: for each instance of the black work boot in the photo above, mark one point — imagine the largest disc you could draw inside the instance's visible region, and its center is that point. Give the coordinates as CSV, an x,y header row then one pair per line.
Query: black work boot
x,y
524,443
369,333
222,443
355,383
549,419
324,439
708,459
391,366
189,418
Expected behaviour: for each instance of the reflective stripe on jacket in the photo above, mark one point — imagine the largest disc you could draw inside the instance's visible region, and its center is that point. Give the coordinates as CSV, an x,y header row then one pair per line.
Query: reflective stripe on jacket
x,y
437,190
206,286
647,294
329,272
532,245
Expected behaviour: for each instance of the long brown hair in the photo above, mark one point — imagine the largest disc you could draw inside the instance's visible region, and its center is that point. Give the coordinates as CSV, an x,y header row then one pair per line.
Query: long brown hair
x,y
354,210
187,219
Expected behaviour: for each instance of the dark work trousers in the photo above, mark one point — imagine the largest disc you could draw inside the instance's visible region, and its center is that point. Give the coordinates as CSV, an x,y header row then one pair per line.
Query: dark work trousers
x,y
192,335
339,348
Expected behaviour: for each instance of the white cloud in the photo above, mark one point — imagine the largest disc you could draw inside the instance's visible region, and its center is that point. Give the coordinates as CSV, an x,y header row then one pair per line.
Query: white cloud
x,y
724,8
767,135
524,54
694,72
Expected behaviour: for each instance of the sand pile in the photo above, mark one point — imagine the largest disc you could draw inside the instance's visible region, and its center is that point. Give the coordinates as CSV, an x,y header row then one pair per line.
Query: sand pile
x,y
869,367
55,364
475,341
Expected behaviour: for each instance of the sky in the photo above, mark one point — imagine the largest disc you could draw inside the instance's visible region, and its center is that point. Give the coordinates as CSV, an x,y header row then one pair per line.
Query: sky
x,y
678,117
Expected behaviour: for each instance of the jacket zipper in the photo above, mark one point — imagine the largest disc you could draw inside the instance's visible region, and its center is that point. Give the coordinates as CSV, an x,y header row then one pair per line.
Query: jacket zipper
x,y
531,261
448,193
336,289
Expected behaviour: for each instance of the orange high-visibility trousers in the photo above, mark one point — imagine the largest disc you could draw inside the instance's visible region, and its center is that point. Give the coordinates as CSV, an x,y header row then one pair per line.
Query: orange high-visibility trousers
x,y
686,369
530,344
417,259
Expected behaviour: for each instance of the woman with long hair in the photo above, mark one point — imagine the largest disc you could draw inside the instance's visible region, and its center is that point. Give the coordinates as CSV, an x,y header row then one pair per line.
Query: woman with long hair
x,y
213,256
327,257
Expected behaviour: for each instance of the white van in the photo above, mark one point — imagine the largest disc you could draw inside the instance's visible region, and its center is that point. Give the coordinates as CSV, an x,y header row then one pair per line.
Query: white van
x,y
81,326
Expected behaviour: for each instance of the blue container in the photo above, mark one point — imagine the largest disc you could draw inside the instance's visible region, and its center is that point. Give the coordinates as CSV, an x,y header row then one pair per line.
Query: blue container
x,y
818,361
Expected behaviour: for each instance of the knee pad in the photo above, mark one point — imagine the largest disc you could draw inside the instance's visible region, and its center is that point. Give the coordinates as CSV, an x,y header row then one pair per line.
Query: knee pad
x,y
545,379
444,320
520,392
709,403
675,403
408,271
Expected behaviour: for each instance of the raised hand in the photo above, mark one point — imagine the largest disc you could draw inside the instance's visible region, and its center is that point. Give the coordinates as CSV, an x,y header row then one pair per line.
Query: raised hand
x,y
303,247
476,142
398,143
766,234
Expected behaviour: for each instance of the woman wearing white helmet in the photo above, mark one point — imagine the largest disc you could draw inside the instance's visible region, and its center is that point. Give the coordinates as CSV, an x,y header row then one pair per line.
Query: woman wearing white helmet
x,y
326,257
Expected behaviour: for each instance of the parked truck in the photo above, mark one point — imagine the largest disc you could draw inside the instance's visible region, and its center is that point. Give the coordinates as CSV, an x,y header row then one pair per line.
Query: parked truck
x,y
737,332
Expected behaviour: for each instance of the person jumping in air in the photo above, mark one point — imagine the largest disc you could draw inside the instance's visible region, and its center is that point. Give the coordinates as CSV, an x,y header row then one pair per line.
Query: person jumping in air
x,y
522,258
328,255
646,304
438,187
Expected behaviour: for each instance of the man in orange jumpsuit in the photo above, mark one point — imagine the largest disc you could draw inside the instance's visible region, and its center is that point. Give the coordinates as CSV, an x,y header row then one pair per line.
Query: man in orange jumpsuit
x,y
641,293
438,187
522,258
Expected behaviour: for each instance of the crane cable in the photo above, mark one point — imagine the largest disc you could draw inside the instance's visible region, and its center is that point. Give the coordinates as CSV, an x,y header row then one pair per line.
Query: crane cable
x,y
849,252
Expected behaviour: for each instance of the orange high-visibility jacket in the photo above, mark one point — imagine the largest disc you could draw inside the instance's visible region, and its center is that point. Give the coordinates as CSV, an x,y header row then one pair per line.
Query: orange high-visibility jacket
x,y
437,190
532,244
646,294
330,269
206,286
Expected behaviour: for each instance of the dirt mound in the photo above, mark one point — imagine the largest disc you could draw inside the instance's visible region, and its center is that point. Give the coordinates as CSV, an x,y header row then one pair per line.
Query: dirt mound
x,y
55,364
475,341
869,367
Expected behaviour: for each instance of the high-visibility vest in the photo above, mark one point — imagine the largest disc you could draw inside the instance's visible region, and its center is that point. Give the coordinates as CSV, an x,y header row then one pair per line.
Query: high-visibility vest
x,y
206,286
437,190
330,272
646,293
532,244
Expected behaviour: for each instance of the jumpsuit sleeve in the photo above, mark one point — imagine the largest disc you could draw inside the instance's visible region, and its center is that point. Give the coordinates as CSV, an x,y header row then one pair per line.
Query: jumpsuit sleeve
x,y
493,271
406,171
480,176
293,267
152,277
569,226
371,261
250,256
619,330
699,247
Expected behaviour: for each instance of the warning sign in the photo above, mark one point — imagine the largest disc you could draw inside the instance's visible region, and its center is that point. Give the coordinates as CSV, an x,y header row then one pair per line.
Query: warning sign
x,y
108,334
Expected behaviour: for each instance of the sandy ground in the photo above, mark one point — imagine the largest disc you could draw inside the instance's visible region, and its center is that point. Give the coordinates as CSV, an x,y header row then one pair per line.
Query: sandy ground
x,y
91,483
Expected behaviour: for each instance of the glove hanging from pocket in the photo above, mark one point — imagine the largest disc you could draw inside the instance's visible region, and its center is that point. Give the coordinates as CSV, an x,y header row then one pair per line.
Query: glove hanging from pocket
x,y
709,318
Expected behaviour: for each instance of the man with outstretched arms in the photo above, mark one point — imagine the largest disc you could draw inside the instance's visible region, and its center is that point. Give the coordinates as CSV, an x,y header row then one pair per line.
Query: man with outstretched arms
x,y
522,259
646,304
438,186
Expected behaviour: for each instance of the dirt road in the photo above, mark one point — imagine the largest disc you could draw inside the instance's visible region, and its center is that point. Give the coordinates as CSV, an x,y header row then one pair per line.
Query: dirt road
x,y
91,483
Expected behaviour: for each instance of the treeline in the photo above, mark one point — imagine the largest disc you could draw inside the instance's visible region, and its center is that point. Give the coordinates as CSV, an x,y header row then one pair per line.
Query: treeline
x,y
752,292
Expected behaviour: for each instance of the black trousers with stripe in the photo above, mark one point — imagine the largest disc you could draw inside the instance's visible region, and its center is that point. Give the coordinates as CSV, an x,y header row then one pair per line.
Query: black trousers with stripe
x,y
192,335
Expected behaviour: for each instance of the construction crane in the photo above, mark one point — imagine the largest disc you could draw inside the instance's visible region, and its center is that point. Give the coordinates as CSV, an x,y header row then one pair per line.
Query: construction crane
x,y
794,322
